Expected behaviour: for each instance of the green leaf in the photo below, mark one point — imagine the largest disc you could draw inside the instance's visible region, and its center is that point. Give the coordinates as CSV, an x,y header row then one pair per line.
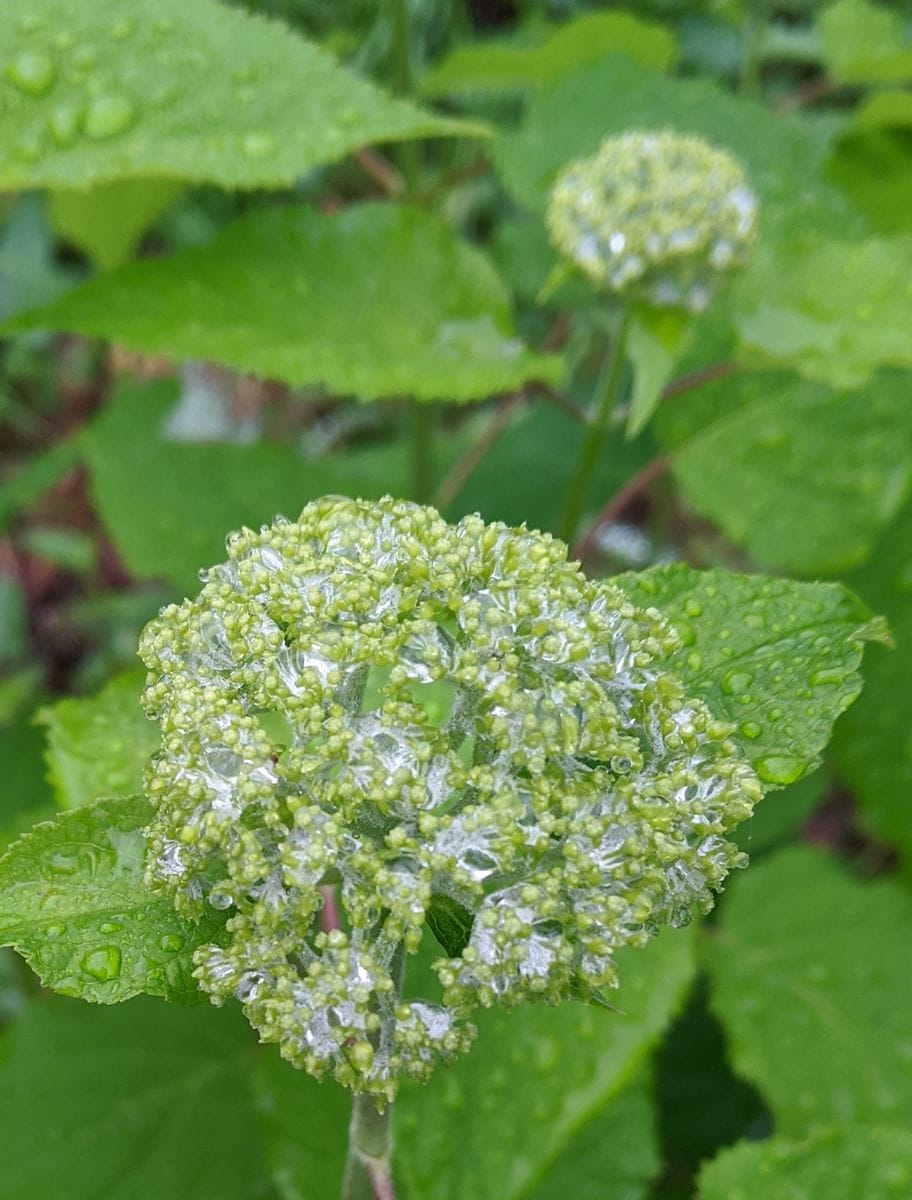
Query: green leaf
x,y
656,339
73,902
874,746
29,273
35,477
833,310
379,300
864,43
613,1156
98,745
802,476
304,1124
569,119
808,965
26,796
145,1101
536,1088
857,1163
116,93
169,505
503,63
777,658
107,221
874,167
450,923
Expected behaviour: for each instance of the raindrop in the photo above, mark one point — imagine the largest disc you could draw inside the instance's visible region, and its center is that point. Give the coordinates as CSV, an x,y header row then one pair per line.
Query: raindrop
x,y
172,942
751,730
257,144
108,116
102,964
64,124
779,769
831,675
32,72
735,682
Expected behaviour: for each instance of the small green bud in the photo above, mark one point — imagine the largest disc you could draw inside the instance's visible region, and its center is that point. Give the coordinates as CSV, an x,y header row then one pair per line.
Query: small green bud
x,y
656,217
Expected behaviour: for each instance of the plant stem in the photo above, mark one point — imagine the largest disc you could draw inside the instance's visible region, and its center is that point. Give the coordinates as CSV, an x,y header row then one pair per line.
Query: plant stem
x,y
753,26
421,418
368,1167
603,401
404,82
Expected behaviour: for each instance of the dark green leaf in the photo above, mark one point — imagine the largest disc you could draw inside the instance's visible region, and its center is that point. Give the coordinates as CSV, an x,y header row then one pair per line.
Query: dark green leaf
x,y
807,966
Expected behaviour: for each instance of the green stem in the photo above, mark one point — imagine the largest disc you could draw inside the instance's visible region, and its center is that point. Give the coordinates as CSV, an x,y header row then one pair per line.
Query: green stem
x,y
421,418
369,1161
753,28
368,1166
603,401
404,83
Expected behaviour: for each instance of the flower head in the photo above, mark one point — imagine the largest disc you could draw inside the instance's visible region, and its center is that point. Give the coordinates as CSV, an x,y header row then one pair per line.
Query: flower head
x,y
657,217
436,719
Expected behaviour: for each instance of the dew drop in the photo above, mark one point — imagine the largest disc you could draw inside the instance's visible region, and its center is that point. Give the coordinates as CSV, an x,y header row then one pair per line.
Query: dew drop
x,y
831,675
32,72
108,116
62,864
102,964
751,730
735,682
257,144
172,942
64,124
53,931
779,769
693,608
110,926
694,660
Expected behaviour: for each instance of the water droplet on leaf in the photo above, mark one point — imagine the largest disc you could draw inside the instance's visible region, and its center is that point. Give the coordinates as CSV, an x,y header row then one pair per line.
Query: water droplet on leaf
x,y
172,942
735,682
32,72
108,116
102,964
779,769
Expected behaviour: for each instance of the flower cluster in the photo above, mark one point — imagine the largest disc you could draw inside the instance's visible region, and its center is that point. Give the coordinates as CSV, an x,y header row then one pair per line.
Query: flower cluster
x,y
429,718
657,217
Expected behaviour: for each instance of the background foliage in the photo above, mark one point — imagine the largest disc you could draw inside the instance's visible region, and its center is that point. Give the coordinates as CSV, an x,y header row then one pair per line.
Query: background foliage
x,y
238,272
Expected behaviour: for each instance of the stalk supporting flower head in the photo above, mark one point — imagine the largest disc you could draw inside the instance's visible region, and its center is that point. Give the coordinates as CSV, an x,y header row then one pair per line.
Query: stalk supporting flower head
x,y
438,718
656,217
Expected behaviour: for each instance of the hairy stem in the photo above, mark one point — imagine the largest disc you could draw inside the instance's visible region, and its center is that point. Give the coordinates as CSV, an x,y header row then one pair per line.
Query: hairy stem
x,y
603,401
368,1166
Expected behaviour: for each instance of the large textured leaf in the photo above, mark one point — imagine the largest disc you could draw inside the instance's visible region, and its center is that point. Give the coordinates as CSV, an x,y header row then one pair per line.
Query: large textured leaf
x,y
305,1126
380,300
570,118
834,310
778,658
508,1119
802,476
874,743
74,904
504,63
112,89
810,969
865,42
858,1163
145,1101
98,745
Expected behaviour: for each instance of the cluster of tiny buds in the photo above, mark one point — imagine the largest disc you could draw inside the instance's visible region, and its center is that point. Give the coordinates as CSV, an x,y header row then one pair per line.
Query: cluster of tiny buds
x,y
453,729
656,217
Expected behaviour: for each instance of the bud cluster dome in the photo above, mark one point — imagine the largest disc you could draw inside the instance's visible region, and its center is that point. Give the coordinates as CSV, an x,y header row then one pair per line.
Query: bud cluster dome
x,y
658,217
423,715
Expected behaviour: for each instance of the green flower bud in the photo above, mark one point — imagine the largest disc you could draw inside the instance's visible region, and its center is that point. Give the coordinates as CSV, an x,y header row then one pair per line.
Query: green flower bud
x,y
372,698
657,217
